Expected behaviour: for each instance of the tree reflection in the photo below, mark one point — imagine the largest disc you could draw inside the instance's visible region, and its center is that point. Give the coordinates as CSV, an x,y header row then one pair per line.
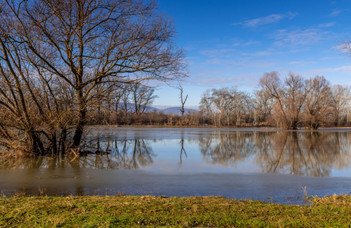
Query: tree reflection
x,y
226,148
307,153
182,150
303,153
310,153
107,154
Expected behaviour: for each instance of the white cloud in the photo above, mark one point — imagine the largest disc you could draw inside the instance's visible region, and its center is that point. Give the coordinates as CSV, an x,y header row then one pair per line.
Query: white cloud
x,y
218,52
326,25
335,12
344,47
262,53
241,43
272,18
257,53
299,37
242,80
301,62
333,69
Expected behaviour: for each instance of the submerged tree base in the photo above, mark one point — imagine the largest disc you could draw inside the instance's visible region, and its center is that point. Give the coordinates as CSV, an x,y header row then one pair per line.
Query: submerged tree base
x,y
107,211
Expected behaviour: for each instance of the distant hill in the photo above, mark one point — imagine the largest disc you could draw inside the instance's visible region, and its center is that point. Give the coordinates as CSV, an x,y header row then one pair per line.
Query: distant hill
x,y
131,107
176,110
169,110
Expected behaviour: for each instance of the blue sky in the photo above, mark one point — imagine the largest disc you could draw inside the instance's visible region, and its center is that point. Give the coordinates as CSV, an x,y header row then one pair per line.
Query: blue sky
x,y
233,43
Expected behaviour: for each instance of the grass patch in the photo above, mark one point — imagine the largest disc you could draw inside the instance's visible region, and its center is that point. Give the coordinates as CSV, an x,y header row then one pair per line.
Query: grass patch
x,y
151,211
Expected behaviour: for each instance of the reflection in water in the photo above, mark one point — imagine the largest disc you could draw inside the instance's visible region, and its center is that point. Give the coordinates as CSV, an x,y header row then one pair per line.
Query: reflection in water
x,y
116,154
302,153
297,153
182,151
226,148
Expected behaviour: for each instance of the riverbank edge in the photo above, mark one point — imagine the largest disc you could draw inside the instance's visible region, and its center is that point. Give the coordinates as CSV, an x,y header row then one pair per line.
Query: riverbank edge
x,y
153,211
270,128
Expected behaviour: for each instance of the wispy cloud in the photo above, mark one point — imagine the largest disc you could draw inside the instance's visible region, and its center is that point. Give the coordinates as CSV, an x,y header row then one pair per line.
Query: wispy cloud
x,y
303,63
299,37
227,50
218,52
262,53
326,25
241,43
344,47
334,70
239,80
336,12
230,54
241,63
272,18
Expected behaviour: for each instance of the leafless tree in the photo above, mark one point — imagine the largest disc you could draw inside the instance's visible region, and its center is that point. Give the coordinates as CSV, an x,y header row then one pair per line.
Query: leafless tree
x,y
182,100
142,96
75,45
318,106
295,98
227,106
289,97
340,96
271,84
206,105
263,105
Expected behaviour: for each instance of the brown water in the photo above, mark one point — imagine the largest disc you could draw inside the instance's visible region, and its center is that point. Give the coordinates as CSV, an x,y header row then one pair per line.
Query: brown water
x,y
235,163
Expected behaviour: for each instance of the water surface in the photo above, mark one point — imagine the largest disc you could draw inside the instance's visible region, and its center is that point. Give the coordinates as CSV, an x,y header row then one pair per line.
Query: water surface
x,y
263,164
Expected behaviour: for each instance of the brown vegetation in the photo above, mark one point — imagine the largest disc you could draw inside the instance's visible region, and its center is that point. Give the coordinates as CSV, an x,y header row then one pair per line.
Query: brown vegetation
x,y
59,60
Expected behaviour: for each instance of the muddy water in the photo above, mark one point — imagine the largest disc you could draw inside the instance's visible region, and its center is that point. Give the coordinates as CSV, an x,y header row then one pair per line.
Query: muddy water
x,y
263,164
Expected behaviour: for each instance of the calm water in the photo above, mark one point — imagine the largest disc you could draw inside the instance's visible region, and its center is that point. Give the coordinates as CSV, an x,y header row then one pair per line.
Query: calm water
x,y
236,163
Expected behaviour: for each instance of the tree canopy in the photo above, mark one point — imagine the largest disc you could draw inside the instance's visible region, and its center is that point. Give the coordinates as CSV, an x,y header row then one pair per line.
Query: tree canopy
x,y
57,56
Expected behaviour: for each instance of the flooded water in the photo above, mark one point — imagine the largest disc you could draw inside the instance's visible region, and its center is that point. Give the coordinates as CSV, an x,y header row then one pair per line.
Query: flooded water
x,y
272,165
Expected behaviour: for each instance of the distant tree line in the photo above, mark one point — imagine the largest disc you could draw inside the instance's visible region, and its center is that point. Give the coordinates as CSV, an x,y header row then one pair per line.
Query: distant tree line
x,y
288,104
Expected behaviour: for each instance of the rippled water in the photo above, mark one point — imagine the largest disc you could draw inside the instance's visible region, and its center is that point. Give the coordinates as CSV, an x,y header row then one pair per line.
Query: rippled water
x,y
236,163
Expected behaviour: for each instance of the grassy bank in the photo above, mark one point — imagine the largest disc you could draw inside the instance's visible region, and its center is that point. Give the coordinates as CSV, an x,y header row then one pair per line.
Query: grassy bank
x,y
107,211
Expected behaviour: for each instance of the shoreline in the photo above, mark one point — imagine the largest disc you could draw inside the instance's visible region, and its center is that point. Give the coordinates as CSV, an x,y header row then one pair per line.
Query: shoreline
x,y
216,127
151,211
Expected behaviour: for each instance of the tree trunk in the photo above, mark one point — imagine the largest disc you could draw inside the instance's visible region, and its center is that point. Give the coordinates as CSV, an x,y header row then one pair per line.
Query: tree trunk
x,y
79,129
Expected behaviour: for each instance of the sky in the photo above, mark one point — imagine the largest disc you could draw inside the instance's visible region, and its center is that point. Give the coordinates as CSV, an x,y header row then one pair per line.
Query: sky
x,y
232,43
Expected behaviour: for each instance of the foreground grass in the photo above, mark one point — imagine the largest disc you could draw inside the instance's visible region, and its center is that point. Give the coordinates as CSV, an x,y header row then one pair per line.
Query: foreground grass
x,y
107,211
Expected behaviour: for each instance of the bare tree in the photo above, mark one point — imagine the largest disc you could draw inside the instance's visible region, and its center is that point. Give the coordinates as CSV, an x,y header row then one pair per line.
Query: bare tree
x,y
340,96
271,84
318,106
182,100
295,98
206,105
142,96
289,97
226,106
262,106
80,45
126,98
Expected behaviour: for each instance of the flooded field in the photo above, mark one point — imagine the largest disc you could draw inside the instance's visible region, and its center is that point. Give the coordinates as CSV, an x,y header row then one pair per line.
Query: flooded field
x,y
263,164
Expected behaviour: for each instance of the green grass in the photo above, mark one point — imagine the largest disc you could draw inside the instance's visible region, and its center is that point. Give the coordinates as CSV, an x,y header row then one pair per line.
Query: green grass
x,y
150,211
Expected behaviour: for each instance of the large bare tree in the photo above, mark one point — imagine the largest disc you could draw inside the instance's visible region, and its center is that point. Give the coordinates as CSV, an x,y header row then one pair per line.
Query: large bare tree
x,y
289,97
319,102
341,96
55,53
226,106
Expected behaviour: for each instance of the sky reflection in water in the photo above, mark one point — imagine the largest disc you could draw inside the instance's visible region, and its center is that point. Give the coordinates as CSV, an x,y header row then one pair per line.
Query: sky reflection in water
x,y
303,153
238,158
